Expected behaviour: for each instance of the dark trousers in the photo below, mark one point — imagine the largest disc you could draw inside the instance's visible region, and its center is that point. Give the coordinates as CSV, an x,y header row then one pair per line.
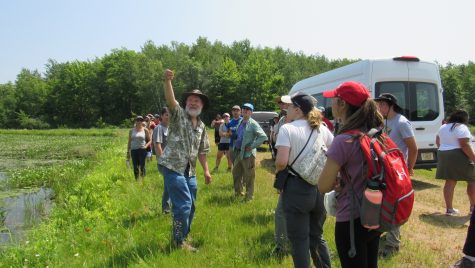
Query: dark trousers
x,y
469,247
138,161
366,242
305,215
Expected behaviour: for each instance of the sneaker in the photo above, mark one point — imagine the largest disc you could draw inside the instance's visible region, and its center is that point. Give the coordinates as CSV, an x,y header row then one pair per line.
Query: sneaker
x,y
464,263
188,247
389,251
452,212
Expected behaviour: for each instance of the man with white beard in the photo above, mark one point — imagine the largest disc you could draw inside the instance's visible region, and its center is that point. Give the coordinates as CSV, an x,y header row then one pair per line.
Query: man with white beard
x,y
187,141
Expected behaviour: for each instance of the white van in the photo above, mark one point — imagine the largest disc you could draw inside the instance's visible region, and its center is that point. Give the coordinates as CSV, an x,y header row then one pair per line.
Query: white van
x,y
415,83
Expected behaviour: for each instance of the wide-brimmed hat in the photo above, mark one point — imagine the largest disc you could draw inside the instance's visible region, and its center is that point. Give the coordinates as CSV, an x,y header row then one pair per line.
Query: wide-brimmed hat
x,y
391,100
195,92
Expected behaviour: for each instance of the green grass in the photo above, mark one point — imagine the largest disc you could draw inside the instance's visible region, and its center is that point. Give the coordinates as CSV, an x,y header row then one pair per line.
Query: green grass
x,y
103,218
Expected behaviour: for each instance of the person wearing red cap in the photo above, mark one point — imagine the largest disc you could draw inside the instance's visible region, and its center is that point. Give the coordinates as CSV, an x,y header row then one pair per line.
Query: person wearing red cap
x,y
352,104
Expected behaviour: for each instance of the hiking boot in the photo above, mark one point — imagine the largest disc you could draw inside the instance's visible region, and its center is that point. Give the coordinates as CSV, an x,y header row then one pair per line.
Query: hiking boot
x,y
452,212
388,251
464,263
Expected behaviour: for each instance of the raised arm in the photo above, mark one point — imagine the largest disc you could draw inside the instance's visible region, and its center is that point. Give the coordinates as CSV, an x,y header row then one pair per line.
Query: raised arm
x,y
169,94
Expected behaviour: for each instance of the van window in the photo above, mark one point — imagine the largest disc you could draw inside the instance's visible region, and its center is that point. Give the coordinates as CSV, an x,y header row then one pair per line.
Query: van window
x,y
419,101
325,102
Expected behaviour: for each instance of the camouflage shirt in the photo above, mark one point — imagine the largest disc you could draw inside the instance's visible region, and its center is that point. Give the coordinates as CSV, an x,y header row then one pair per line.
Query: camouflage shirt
x,y
184,143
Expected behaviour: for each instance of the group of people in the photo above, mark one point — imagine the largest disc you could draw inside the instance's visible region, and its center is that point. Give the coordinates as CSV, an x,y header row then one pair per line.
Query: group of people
x,y
300,213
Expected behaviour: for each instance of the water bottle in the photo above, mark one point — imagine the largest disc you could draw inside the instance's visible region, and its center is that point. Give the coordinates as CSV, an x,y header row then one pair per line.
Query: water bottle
x,y
127,163
371,205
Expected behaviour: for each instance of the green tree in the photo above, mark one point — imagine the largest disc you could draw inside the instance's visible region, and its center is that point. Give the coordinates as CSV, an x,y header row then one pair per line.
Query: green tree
x,y
30,93
7,105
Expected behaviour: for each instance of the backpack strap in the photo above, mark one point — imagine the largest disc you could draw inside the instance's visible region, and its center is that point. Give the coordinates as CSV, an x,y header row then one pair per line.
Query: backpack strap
x,y
351,192
356,134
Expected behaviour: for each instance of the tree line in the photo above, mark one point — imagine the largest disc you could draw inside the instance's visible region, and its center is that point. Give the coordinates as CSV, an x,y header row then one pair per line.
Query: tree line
x,y
111,90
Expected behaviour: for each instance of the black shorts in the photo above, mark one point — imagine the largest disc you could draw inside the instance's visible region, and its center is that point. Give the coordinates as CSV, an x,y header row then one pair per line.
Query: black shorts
x,y
223,146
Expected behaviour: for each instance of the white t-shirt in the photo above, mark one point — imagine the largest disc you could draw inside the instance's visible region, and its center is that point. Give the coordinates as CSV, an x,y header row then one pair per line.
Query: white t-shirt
x,y
449,140
295,134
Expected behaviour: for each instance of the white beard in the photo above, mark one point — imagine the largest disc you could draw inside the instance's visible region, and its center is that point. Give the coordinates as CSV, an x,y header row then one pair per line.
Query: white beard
x,y
193,112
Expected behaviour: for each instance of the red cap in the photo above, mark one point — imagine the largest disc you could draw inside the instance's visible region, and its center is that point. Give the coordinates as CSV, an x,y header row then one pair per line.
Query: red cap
x,y
352,92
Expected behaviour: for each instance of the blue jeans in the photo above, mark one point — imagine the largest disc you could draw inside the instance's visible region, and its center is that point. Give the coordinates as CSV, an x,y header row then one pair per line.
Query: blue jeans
x,y
182,191
165,195
138,161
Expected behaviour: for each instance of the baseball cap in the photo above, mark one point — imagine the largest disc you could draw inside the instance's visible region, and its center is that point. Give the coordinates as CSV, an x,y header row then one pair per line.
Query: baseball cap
x,y
226,115
286,99
236,107
304,101
391,99
139,118
351,92
248,105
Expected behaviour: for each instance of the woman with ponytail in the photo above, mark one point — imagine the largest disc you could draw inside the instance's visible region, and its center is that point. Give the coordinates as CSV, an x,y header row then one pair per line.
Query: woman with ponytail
x,y
303,203
351,103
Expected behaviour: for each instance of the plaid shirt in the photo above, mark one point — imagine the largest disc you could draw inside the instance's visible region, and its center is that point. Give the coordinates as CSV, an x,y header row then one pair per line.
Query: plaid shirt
x,y
184,143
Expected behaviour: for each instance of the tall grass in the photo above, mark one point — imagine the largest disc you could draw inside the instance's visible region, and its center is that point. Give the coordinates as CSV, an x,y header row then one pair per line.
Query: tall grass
x,y
103,218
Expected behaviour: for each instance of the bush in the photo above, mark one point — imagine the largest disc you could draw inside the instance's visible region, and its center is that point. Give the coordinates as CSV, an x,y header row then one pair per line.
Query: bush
x,y
25,121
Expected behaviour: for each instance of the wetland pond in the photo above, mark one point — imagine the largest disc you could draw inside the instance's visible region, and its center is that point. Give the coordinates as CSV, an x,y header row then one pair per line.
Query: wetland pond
x,y
20,210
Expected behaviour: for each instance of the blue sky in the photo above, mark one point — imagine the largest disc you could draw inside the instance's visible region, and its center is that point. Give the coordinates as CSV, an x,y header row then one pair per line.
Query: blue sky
x,y
34,31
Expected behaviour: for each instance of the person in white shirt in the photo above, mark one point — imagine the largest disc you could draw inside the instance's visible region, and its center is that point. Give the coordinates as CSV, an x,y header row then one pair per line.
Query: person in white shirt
x,y
456,159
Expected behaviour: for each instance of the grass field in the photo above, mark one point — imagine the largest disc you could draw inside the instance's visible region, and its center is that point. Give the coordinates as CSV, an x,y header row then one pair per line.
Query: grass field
x,y
103,218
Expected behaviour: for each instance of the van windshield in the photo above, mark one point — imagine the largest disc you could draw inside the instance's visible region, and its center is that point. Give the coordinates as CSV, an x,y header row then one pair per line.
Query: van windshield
x,y
419,101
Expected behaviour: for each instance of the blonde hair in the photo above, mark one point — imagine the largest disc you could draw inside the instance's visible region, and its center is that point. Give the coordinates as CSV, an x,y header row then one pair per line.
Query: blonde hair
x,y
314,118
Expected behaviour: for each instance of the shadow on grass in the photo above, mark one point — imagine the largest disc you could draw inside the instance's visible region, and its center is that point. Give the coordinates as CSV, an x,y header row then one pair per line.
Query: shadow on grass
x,y
225,199
133,219
442,220
132,255
143,251
259,219
263,148
268,164
421,185
261,249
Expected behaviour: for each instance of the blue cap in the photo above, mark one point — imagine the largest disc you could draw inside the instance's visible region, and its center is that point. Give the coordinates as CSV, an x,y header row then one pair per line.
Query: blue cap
x,y
248,105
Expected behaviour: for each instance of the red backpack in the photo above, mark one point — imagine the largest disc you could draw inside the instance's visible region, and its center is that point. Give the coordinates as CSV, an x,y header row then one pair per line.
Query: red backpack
x,y
386,166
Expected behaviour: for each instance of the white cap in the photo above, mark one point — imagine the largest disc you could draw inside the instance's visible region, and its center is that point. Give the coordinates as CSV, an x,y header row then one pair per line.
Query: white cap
x,y
286,99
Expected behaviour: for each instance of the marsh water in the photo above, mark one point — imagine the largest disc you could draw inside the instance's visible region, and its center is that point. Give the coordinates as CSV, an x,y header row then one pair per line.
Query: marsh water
x,y
20,210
